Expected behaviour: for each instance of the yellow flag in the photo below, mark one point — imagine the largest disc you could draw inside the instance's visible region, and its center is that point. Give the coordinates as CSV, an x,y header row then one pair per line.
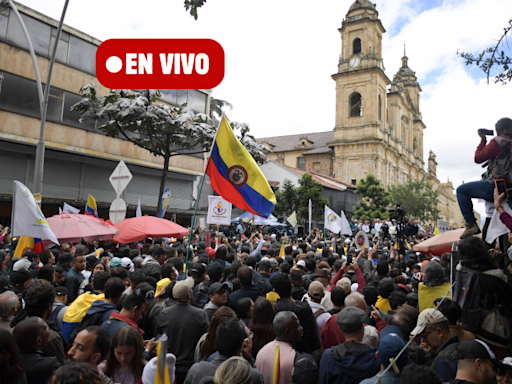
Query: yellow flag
x,y
281,252
25,243
161,362
292,219
436,231
277,366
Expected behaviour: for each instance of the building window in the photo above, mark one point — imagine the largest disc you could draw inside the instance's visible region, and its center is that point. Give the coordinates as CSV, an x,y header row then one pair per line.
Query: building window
x,y
380,108
301,162
316,166
354,181
191,97
355,105
38,31
415,145
55,101
82,55
356,45
62,47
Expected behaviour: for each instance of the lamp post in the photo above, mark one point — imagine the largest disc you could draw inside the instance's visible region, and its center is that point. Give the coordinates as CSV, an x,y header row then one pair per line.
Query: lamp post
x,y
43,99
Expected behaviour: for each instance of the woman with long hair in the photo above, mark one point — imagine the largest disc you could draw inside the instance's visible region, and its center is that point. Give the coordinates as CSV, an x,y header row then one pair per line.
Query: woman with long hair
x,y
124,363
243,309
208,344
11,370
261,324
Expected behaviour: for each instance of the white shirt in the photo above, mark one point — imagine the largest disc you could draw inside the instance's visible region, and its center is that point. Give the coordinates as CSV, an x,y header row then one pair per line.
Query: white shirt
x,y
378,227
366,228
321,319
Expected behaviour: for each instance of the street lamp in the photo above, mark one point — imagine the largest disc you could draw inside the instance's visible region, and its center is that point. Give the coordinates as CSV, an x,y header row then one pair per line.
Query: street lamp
x,y
43,99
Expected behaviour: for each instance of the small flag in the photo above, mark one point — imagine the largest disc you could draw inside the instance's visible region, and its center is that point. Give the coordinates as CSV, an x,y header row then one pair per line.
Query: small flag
x,y
162,370
345,226
166,196
436,231
138,212
332,221
60,211
91,208
361,240
27,218
292,219
27,243
281,252
310,213
277,366
69,209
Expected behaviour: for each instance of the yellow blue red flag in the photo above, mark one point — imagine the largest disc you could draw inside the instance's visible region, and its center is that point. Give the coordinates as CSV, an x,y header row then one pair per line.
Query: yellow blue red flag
x,y
91,208
235,175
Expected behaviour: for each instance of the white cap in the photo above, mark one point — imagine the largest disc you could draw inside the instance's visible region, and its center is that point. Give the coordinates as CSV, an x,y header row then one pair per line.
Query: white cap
x,y
21,264
301,263
127,263
149,372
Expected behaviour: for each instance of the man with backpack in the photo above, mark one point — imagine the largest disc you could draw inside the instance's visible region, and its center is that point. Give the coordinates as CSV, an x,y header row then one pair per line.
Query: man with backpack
x,y
497,156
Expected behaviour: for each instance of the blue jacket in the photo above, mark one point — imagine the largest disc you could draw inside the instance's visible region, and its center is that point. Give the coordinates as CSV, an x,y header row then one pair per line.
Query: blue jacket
x,y
348,363
101,306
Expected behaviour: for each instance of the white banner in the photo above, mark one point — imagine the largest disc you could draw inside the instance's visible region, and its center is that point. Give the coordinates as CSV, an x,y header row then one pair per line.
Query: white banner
x,y
345,225
27,218
138,212
219,211
443,226
70,209
332,221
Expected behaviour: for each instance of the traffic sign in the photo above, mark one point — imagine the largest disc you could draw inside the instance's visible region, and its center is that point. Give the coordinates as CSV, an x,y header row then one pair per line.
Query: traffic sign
x,y
120,178
117,211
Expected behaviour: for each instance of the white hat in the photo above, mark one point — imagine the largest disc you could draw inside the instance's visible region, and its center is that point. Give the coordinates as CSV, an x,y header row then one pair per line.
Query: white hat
x,y
353,287
347,241
301,263
127,263
149,372
21,264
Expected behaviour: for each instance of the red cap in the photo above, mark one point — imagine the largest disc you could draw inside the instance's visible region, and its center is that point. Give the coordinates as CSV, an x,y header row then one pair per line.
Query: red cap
x,y
211,253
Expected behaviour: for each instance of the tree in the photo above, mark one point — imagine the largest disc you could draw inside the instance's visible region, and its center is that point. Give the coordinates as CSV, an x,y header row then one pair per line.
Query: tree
x,y
193,5
375,199
287,200
310,189
491,58
418,198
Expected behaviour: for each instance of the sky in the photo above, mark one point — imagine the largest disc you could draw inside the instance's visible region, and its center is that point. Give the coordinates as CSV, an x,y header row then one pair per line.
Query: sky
x,y
280,56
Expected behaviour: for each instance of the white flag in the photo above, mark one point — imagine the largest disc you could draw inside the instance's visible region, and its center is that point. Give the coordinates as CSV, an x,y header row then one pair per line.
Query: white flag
x,y
60,210
345,226
219,211
69,209
27,218
332,221
138,212
310,214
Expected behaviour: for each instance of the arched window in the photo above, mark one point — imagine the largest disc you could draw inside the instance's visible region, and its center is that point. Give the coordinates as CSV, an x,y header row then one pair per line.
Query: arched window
x,y
355,105
356,45
380,108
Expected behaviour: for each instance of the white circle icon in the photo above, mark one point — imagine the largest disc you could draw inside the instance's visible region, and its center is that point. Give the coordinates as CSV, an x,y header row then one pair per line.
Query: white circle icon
x,y
114,64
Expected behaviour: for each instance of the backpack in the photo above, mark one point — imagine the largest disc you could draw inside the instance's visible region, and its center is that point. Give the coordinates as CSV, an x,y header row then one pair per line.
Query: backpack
x,y
501,166
466,292
201,294
55,312
87,321
318,313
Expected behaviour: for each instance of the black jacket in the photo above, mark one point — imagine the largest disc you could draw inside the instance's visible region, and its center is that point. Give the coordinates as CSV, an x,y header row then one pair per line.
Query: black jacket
x,y
38,367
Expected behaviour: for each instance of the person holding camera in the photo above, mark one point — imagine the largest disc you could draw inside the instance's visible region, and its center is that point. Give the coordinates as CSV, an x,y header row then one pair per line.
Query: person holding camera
x,y
497,156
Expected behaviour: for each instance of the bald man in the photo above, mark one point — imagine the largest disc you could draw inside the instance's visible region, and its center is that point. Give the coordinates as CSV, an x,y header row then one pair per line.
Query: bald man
x,y
31,335
10,304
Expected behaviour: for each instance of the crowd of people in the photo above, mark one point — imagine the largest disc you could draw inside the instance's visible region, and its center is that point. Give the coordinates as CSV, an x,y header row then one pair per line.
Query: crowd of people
x,y
257,307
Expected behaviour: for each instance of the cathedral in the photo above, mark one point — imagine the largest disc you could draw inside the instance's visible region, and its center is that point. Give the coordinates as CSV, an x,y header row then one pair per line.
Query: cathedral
x,y
378,127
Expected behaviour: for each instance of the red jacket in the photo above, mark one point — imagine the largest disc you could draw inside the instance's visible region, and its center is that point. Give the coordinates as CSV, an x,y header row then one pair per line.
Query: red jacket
x,y
486,152
361,282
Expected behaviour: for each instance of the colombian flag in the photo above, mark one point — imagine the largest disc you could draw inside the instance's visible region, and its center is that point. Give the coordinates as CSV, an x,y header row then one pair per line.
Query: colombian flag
x,y
91,208
235,175
27,243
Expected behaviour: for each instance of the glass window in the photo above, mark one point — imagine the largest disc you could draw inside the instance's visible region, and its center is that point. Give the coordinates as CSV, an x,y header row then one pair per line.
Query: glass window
x,y
182,98
4,18
301,162
197,100
38,31
169,95
19,95
355,105
62,48
71,117
54,110
82,55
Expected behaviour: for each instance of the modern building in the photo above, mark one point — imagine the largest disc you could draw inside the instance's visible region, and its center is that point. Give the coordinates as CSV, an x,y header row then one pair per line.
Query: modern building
x,y
379,125
79,156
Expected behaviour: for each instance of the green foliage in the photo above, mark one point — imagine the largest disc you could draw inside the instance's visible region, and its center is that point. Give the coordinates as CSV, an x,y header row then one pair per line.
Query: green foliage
x,y
491,58
287,201
193,5
375,199
418,198
310,189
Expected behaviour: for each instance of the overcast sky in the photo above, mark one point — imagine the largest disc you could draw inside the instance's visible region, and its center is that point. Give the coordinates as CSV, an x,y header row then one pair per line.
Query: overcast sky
x,y
280,56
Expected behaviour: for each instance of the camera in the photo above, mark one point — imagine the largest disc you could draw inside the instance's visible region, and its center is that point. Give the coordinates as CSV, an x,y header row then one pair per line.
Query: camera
x,y
486,132
398,213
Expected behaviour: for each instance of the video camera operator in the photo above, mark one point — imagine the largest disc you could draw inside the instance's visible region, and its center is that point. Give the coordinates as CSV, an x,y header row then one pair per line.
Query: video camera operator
x,y
497,153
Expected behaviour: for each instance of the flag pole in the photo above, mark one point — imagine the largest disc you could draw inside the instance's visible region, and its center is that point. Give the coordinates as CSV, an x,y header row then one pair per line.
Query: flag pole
x,y
199,194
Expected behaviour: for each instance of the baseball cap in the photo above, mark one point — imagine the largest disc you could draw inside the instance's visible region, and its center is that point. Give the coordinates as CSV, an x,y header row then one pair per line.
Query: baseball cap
x,y
216,287
147,292
79,250
301,263
345,284
427,317
20,277
21,264
389,347
61,291
305,369
475,349
149,372
116,262
182,288
350,319
160,286
316,289
127,263
197,270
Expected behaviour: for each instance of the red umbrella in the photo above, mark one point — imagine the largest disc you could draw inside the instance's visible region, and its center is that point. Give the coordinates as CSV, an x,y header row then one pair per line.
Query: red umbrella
x,y
440,244
138,228
71,228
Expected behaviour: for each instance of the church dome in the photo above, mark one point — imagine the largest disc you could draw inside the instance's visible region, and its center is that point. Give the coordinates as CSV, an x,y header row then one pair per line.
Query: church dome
x,y
405,74
361,4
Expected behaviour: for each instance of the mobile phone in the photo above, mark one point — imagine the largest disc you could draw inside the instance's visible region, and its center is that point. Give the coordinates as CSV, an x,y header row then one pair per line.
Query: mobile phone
x,y
501,187
486,132
349,259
